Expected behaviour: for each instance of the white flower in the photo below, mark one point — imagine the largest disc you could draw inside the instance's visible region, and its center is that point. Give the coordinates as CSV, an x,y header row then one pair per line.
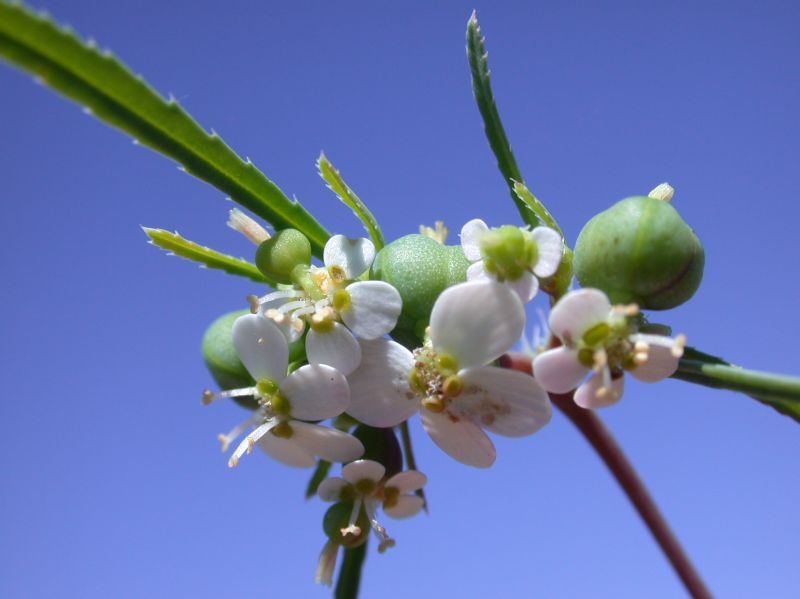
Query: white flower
x,y
363,483
471,325
337,308
512,255
310,393
602,339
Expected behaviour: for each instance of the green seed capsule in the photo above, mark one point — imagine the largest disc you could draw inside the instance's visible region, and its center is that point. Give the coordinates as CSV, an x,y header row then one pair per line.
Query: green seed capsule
x,y
278,256
640,251
420,269
337,517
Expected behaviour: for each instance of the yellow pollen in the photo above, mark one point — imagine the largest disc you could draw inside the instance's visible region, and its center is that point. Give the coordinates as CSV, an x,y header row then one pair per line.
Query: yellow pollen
x,y
452,386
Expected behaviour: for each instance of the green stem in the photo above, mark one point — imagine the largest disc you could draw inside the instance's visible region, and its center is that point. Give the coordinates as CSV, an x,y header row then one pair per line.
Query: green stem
x,y
350,573
752,382
411,463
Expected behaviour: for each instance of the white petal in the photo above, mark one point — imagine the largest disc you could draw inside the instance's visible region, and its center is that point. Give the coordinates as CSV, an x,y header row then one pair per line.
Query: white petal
x,y
471,234
558,370
460,438
261,346
328,443
330,489
525,287
660,361
354,256
408,481
477,272
337,348
506,402
586,395
361,469
316,392
476,322
374,309
406,506
550,247
287,451
379,391
577,311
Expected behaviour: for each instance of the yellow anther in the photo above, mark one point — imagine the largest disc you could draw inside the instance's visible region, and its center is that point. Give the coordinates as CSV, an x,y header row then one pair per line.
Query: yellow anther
x,y
282,430
254,305
351,530
641,346
447,363
677,347
233,462
452,386
365,486
225,442
337,274
434,404
280,405
208,397
640,358
341,300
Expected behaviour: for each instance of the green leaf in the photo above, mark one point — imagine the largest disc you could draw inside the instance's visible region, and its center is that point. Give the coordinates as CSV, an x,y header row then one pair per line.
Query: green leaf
x,y
109,90
179,246
337,185
495,133
319,475
526,195
780,392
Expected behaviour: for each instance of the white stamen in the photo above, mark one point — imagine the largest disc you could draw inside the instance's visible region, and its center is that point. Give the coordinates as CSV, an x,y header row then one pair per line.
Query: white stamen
x,y
246,446
210,396
286,293
239,221
229,437
600,359
351,528
290,306
385,540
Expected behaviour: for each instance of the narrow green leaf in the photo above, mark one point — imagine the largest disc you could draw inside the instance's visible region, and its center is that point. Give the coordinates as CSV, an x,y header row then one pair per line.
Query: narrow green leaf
x,y
109,90
526,195
179,246
778,391
337,185
319,475
495,133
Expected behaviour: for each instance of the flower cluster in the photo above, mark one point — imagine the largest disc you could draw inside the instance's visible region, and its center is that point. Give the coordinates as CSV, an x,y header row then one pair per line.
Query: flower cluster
x,y
350,370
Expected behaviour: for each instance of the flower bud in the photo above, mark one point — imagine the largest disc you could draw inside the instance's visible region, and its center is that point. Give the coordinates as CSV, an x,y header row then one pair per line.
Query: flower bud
x,y
337,518
278,256
640,251
420,269
223,361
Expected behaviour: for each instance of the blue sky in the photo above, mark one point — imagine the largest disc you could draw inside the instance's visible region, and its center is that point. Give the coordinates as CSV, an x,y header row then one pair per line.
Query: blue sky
x,y
114,483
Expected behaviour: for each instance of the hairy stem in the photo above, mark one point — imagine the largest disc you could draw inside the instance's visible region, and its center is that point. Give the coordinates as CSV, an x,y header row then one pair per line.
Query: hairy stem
x,y
600,438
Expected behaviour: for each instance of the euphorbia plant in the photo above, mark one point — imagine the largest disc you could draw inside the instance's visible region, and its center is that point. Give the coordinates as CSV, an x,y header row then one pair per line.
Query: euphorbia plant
x,y
377,332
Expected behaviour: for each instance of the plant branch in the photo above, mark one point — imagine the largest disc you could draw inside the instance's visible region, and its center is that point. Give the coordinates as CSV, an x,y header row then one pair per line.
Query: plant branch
x,y
602,441
350,573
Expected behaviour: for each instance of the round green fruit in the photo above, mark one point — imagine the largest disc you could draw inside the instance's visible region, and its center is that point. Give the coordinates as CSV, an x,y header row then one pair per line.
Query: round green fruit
x,y
640,251
420,268
279,255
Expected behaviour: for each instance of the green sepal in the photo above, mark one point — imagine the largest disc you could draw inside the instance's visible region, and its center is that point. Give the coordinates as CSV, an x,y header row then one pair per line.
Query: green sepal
x,y
102,84
336,184
205,256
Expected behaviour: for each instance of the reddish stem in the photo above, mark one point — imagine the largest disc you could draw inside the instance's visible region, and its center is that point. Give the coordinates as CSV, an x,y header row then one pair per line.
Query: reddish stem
x,y
601,439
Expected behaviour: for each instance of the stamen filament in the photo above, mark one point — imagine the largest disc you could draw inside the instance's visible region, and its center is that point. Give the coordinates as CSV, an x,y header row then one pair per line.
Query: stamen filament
x,y
211,396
